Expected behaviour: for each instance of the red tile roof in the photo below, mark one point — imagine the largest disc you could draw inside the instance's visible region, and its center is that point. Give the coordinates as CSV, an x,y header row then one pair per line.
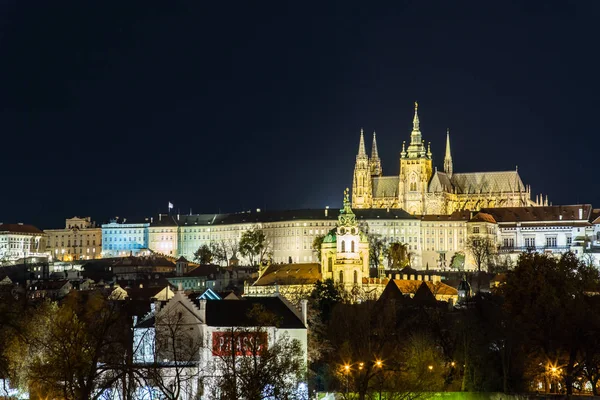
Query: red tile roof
x,y
20,228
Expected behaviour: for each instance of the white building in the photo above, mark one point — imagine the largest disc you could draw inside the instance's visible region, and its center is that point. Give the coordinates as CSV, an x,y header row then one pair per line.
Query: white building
x,y
79,240
203,332
18,241
120,239
549,229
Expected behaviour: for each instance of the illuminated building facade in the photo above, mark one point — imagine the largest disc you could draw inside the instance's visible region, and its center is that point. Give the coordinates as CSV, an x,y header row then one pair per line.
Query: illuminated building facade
x,y
18,241
549,230
419,188
79,240
120,239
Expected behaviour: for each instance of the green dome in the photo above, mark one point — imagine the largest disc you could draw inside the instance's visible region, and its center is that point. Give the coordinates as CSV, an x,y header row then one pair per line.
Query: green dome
x,y
331,237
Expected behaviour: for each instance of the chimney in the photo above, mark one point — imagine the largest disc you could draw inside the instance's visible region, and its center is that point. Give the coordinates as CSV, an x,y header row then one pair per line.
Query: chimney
x,y
177,217
326,210
151,219
160,217
581,213
202,308
304,306
180,287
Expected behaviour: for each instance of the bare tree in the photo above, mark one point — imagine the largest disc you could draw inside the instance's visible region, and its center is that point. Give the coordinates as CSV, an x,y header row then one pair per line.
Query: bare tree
x,y
250,368
177,345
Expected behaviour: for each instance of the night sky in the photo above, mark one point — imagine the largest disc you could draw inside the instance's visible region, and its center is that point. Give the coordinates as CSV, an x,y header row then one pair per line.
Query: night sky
x,y
118,107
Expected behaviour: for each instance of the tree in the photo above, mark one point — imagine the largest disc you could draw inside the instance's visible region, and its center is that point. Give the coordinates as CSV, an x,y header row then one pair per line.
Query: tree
x,y
457,261
203,255
253,369
316,246
481,248
177,347
399,256
255,246
79,349
549,300
378,248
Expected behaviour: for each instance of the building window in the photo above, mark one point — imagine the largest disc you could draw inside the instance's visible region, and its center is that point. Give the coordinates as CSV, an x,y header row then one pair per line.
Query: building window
x,y
569,240
475,229
551,241
530,242
509,242
343,246
356,277
341,276
352,246
329,264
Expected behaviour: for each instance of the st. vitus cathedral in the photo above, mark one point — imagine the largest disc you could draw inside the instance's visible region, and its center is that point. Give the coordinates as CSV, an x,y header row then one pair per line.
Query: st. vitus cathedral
x,y
418,188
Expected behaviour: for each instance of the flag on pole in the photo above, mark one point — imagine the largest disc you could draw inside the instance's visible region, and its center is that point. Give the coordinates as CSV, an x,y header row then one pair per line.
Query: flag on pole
x,y
170,205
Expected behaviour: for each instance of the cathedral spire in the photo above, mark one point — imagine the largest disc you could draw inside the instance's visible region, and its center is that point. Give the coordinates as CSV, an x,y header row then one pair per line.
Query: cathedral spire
x,y
416,148
361,146
375,162
448,157
374,153
416,118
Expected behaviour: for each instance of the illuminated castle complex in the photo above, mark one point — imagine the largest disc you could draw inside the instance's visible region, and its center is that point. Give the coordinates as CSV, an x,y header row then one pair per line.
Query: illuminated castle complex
x,y
421,189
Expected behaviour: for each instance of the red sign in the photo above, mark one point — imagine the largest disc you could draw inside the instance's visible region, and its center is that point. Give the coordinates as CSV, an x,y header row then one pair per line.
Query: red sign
x,y
244,343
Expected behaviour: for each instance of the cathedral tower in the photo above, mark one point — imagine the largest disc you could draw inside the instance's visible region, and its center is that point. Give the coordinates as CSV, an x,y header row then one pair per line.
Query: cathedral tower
x,y
375,162
415,171
448,157
362,196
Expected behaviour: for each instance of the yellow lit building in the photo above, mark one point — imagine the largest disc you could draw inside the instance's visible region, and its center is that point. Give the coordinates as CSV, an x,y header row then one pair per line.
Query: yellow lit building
x,y
419,188
79,240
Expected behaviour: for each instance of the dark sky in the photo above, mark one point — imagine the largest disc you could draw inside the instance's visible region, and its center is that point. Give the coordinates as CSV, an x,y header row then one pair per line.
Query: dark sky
x,y
117,107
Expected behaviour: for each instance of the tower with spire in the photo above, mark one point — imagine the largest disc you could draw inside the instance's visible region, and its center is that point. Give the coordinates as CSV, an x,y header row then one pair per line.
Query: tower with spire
x,y
375,162
448,156
362,196
415,170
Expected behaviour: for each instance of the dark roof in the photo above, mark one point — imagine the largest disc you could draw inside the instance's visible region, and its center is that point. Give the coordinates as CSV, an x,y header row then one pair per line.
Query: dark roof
x,y
235,313
290,274
150,261
20,228
165,220
275,216
455,216
48,285
541,214
203,270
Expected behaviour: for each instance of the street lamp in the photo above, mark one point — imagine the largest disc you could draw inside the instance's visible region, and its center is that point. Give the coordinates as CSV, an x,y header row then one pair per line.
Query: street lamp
x,y
430,368
379,365
347,370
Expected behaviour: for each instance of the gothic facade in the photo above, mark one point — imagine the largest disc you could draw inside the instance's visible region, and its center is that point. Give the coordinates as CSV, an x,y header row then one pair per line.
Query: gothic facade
x,y
419,188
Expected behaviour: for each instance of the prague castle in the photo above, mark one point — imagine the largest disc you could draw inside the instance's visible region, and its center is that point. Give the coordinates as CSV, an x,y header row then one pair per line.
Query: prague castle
x,y
419,188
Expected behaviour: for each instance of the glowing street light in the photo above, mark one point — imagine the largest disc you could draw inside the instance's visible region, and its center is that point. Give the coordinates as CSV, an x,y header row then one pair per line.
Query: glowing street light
x,y
430,367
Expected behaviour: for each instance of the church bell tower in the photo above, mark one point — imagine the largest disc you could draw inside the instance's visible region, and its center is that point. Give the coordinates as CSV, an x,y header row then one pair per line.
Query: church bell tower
x,y
415,171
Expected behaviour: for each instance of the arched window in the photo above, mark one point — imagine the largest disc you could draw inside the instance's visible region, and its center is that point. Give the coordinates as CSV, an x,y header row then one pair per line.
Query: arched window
x,y
355,277
343,246
329,264
352,246
341,276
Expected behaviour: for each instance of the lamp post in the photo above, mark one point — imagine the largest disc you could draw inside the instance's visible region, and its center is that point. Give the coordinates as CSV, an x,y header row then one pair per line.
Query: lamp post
x,y
347,370
379,365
